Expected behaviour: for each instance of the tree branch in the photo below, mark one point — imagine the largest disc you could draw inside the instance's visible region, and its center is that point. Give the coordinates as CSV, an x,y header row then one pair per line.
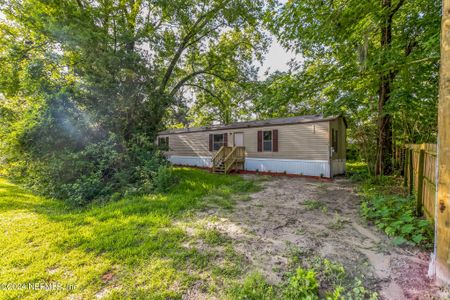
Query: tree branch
x,y
396,8
80,4
408,50
224,79
200,23
219,76
186,79
207,91
205,34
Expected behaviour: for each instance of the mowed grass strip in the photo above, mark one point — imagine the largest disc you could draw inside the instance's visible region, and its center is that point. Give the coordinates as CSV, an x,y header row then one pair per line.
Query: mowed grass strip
x,y
124,249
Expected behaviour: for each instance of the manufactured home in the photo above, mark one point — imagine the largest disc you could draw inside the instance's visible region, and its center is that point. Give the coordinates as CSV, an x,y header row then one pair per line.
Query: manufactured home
x,y
305,145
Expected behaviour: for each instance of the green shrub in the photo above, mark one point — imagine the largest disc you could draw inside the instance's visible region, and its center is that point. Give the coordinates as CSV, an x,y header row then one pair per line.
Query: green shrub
x,y
352,152
94,173
328,272
164,179
359,292
316,278
395,216
254,287
385,205
302,285
357,171
355,291
62,148
333,281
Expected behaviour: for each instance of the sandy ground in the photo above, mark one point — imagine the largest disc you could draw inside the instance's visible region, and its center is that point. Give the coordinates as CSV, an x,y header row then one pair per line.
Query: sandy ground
x,y
280,217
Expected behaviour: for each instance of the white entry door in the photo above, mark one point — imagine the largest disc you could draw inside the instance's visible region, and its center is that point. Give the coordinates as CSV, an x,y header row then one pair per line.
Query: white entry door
x,y
239,139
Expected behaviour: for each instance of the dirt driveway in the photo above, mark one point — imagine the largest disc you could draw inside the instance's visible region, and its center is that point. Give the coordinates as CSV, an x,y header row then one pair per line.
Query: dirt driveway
x,y
321,218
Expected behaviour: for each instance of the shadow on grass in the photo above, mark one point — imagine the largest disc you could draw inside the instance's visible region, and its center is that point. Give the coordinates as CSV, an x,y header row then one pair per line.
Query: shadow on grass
x,y
135,233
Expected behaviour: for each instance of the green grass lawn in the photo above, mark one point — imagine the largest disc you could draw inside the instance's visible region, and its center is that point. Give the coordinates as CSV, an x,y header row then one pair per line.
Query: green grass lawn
x,y
131,248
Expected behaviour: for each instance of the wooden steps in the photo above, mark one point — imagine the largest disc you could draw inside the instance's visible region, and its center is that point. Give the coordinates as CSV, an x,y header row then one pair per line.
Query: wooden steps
x,y
220,168
228,159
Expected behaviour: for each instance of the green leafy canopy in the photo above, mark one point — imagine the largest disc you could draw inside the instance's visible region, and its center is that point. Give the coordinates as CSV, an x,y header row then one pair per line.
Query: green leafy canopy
x,y
86,85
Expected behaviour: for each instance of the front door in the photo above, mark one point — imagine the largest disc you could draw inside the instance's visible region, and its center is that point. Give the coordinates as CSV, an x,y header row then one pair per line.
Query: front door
x,y
238,139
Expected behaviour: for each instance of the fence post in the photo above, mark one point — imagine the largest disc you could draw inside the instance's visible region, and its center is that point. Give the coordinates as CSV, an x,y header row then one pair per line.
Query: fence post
x,y
419,198
442,251
405,167
411,171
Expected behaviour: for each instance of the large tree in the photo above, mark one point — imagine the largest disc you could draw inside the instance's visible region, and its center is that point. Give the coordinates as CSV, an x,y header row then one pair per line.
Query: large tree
x,y
373,60
94,78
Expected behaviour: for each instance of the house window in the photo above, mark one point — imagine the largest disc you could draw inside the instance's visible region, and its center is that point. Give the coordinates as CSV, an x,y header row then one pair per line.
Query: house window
x,y
163,143
218,141
267,141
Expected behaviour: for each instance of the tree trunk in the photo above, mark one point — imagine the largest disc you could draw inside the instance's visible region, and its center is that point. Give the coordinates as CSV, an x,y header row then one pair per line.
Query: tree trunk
x,y
384,157
384,145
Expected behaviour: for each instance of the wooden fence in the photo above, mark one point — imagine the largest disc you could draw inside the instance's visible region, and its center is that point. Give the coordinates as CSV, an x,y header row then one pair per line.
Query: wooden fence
x,y
418,166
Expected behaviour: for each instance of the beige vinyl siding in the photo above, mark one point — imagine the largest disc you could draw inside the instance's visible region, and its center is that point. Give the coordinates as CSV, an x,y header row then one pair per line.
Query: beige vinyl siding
x,y
308,141
191,143
297,141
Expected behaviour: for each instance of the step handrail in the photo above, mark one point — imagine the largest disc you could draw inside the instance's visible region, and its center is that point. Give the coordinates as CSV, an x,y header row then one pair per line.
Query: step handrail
x,y
229,164
230,160
230,154
216,156
218,152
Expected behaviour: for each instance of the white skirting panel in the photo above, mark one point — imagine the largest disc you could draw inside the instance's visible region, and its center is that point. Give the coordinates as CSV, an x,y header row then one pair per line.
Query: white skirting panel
x,y
198,161
290,166
338,166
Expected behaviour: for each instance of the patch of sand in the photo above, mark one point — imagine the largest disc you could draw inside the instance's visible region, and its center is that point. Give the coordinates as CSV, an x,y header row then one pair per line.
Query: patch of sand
x,y
276,219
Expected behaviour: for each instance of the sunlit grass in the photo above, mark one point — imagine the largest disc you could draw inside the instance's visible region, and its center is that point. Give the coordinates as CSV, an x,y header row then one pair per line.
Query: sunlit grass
x,y
129,248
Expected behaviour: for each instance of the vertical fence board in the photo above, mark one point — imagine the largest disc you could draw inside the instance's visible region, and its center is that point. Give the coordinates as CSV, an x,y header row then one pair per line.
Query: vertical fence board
x,y
405,168
419,194
421,177
411,171
429,184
